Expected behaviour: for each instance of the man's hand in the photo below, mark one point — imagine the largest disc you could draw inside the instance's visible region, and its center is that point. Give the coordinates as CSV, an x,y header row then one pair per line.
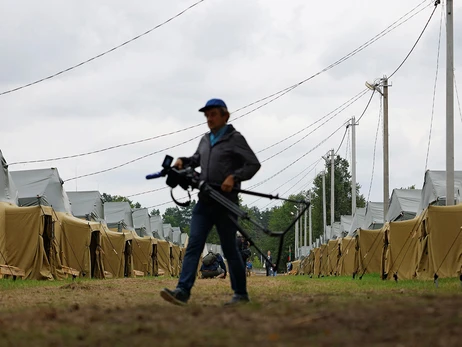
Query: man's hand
x,y
179,164
228,184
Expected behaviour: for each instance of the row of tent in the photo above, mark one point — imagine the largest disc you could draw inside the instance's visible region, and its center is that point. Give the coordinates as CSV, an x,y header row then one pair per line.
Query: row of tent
x,y
404,204
428,246
49,233
44,187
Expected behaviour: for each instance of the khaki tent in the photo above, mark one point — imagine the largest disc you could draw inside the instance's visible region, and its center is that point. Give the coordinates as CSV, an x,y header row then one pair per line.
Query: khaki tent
x,y
347,263
324,260
332,257
175,260
118,252
163,258
400,249
317,262
370,251
440,249
142,254
22,240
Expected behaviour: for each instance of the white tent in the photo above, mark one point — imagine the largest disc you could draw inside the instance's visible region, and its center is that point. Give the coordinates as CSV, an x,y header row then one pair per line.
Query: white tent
x,y
87,205
358,220
118,213
168,232
176,237
345,222
374,216
157,227
336,230
41,187
184,238
142,222
434,189
8,191
404,204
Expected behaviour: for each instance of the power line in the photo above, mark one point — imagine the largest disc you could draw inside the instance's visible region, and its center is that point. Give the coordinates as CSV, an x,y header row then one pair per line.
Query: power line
x,y
367,106
102,54
375,146
276,95
434,90
289,180
146,192
437,2
132,161
342,107
311,132
343,138
299,158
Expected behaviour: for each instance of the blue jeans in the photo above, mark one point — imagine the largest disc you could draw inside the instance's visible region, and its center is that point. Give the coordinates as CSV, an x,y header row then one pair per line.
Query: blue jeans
x,y
204,217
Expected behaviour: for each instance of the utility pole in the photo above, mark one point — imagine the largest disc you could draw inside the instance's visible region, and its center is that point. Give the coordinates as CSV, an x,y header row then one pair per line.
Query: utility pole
x,y
311,230
386,173
296,238
353,166
332,191
324,202
449,103
306,230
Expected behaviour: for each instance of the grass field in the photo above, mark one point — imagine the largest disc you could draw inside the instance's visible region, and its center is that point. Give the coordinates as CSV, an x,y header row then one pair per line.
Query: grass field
x,y
285,311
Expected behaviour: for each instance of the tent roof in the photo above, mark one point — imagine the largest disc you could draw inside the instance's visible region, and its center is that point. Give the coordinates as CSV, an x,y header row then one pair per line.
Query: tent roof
x,y
176,235
345,222
115,212
157,227
8,191
168,232
86,203
42,186
358,219
434,188
142,222
404,201
374,215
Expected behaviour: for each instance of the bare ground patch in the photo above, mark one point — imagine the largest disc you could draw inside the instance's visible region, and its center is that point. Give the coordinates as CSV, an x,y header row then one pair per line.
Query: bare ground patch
x,y
283,312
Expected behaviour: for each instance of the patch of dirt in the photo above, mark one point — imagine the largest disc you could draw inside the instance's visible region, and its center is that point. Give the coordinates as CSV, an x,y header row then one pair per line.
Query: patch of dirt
x,y
130,312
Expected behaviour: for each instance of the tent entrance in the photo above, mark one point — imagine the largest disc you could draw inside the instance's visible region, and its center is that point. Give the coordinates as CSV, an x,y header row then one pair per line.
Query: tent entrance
x,y
128,259
48,236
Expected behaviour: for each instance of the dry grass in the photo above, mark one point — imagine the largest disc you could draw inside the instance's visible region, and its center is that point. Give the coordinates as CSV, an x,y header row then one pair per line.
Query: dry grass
x,y
285,311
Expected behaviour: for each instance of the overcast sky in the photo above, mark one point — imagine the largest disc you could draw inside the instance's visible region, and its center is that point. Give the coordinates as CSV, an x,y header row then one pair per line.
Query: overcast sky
x,y
237,50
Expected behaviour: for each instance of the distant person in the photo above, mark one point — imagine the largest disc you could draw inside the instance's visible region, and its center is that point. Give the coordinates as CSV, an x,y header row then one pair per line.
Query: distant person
x,y
269,264
289,266
213,266
249,267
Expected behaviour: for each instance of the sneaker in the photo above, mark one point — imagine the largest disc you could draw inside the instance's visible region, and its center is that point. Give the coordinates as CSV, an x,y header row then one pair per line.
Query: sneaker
x,y
238,300
176,296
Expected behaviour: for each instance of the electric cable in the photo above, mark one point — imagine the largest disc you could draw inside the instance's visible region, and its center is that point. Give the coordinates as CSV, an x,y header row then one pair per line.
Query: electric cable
x,y
434,90
375,147
101,54
437,2
276,95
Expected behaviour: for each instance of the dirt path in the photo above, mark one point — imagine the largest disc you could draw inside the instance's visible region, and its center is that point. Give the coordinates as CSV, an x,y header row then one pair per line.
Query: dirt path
x,y
284,312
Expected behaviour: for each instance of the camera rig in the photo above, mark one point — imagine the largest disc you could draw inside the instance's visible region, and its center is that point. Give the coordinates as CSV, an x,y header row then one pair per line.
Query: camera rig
x,y
188,179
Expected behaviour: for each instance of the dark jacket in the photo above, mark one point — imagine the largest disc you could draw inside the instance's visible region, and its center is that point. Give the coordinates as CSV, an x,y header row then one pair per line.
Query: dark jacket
x,y
219,262
231,155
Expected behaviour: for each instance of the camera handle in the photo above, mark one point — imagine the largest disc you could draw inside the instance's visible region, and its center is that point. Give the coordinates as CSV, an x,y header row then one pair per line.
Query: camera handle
x,y
179,203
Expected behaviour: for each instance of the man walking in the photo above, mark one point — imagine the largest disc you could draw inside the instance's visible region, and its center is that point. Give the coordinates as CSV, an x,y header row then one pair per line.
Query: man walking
x,y
225,160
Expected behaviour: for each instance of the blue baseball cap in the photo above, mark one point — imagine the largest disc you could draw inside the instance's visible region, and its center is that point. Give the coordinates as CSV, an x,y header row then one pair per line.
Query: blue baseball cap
x,y
213,103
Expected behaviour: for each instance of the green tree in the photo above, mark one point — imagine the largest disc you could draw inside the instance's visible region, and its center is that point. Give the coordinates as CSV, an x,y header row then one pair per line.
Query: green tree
x,y
179,216
342,195
119,198
155,212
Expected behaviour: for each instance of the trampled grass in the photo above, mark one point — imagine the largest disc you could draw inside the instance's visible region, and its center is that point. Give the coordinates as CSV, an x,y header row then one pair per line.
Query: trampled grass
x,y
285,311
